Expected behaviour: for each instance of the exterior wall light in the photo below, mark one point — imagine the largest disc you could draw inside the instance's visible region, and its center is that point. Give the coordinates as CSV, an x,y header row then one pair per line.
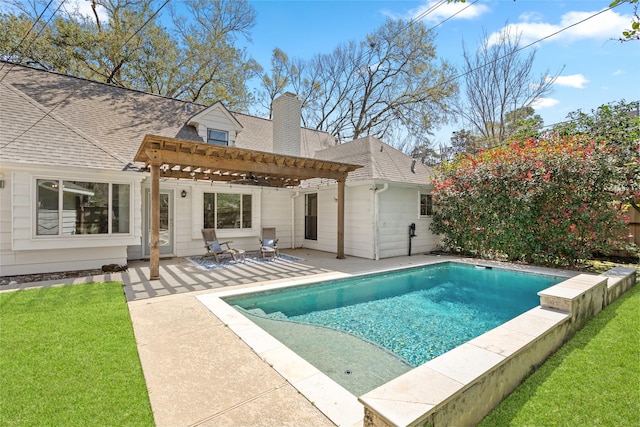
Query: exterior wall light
x,y
184,193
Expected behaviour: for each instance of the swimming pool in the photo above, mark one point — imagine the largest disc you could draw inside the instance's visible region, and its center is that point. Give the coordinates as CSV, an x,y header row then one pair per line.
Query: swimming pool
x,y
366,330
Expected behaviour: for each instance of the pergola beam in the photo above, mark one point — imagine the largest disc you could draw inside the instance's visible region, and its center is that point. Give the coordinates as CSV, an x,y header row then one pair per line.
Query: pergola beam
x,y
177,158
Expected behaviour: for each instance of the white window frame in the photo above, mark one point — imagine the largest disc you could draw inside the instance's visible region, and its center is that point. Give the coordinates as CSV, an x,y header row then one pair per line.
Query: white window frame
x,y
215,209
216,141
60,235
428,205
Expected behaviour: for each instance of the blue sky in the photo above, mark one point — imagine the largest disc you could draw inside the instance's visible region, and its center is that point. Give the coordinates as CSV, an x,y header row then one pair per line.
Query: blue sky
x,y
597,70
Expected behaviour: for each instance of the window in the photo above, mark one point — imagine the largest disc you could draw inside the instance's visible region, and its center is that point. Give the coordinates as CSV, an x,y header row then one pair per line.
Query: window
x,y
311,216
426,205
227,210
218,137
66,208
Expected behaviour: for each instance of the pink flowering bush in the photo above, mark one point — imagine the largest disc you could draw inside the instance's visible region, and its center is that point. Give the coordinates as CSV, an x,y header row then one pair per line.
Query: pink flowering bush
x,y
548,202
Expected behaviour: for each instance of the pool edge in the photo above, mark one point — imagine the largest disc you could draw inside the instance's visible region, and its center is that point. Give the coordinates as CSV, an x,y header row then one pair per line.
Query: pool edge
x,y
439,392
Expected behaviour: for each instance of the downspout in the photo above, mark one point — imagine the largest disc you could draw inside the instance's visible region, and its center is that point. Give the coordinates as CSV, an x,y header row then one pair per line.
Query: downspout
x,y
376,245
293,220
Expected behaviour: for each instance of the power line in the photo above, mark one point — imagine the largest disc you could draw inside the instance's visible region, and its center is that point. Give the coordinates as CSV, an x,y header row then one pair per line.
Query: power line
x,y
523,47
454,15
92,74
33,25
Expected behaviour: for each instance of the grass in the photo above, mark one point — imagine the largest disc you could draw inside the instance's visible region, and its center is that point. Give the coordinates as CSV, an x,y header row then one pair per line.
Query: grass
x,y
593,380
68,357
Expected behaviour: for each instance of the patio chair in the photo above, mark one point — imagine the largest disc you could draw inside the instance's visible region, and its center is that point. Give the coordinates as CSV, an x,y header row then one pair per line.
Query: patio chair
x,y
215,248
269,243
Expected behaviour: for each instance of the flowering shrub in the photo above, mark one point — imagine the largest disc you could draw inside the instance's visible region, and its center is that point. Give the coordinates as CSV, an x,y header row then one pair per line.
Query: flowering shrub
x,y
549,202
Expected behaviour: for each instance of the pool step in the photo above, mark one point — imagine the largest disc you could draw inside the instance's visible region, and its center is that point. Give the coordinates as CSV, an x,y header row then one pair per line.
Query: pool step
x,y
260,312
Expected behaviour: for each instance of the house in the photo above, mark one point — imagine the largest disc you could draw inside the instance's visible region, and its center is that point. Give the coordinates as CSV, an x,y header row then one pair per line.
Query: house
x,y
76,187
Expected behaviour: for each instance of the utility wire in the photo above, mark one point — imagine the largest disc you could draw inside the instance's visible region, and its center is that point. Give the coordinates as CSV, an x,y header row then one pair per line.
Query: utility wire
x,y
39,17
71,92
524,47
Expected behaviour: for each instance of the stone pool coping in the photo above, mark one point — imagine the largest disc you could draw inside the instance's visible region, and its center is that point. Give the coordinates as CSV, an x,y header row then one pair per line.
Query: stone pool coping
x,y
465,384
338,404
439,390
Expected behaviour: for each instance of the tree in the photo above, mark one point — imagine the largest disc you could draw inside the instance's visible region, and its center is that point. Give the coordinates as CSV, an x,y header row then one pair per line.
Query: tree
x,y
498,80
123,43
274,84
544,201
388,84
523,123
464,142
617,125
632,33
429,155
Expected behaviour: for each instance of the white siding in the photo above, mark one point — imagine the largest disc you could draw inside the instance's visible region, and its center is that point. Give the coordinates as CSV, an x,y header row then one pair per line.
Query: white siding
x,y
47,261
398,207
22,252
218,120
358,238
276,212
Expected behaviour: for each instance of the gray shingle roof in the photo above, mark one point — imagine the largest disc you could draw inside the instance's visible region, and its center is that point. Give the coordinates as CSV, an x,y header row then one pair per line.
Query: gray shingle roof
x,y
34,134
49,118
380,161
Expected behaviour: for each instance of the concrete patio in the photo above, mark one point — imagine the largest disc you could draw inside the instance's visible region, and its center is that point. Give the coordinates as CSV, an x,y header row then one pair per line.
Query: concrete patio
x,y
198,372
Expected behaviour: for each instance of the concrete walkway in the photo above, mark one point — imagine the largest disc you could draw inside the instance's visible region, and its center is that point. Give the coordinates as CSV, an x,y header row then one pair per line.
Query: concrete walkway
x,y
198,372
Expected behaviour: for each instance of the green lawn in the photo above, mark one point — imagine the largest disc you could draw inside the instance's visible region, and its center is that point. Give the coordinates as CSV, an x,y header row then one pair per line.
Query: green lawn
x,y
593,380
68,357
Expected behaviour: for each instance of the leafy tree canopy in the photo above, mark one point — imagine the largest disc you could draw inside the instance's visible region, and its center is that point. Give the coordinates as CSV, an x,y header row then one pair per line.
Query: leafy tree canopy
x,y
389,85
124,43
617,125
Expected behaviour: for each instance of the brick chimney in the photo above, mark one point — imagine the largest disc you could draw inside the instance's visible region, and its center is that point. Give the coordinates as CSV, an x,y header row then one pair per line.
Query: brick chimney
x,y
287,112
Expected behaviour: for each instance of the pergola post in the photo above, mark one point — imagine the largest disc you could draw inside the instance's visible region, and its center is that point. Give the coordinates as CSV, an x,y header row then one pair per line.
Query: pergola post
x,y
178,158
154,261
340,249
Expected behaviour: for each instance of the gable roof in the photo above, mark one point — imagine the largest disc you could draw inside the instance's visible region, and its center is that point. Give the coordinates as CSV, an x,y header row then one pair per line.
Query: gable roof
x,y
33,127
380,161
217,107
71,115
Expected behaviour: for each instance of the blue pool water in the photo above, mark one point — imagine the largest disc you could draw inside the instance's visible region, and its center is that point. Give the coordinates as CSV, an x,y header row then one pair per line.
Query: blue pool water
x,y
366,330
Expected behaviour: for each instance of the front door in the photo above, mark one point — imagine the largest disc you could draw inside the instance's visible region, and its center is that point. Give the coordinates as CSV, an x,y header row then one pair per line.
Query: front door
x,y
166,222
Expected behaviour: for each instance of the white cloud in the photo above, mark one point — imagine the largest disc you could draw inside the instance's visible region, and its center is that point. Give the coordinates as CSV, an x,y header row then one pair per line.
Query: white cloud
x,y
541,103
83,7
605,26
619,72
575,80
531,16
445,11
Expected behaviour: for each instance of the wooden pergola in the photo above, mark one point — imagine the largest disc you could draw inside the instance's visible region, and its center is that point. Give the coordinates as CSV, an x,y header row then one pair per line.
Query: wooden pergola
x,y
176,158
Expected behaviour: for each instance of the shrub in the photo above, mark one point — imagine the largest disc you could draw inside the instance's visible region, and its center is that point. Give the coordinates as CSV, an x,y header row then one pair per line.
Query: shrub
x,y
548,202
